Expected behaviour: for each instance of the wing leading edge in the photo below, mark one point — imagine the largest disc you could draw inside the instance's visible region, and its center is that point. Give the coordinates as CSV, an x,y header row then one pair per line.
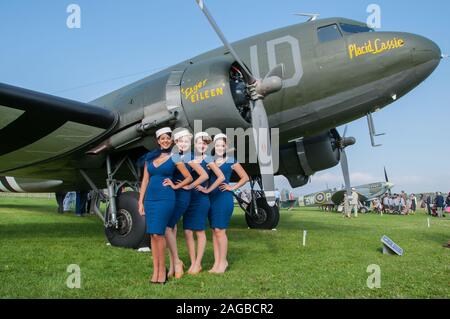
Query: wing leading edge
x,y
36,126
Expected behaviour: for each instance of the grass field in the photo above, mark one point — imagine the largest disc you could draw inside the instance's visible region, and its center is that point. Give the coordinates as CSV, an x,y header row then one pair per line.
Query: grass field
x,y
37,245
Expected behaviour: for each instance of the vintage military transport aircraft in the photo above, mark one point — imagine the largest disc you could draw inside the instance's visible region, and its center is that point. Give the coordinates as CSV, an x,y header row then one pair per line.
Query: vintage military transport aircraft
x,y
305,79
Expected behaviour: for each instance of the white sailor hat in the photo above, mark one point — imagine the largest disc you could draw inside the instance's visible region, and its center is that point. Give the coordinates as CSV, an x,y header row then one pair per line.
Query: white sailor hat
x,y
203,135
181,134
164,130
220,136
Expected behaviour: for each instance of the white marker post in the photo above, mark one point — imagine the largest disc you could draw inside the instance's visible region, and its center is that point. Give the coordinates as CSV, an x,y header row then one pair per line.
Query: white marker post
x,y
428,222
305,232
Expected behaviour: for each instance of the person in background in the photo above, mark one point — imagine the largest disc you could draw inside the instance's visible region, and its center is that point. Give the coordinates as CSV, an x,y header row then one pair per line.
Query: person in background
x,y
447,202
406,206
386,203
277,197
81,203
413,200
69,201
404,203
403,206
391,204
346,211
439,202
60,201
404,196
377,206
354,202
422,203
428,203
396,204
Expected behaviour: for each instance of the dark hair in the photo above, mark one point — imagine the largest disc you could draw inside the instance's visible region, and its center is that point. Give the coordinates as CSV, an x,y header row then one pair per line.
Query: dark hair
x,y
213,151
169,134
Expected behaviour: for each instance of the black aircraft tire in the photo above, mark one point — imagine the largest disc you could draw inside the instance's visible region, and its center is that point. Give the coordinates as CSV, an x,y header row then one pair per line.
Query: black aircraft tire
x,y
270,216
132,226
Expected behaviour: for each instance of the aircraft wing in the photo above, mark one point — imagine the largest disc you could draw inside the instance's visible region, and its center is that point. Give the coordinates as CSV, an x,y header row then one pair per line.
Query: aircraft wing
x,y
338,197
35,127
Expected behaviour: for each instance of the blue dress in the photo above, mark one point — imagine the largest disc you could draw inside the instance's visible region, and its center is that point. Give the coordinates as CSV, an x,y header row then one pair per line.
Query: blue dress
x,y
197,213
159,200
222,204
183,197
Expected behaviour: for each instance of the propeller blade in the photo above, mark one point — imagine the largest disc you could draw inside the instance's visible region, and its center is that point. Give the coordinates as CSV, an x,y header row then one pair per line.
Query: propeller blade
x,y
273,82
228,46
385,175
261,133
346,174
345,132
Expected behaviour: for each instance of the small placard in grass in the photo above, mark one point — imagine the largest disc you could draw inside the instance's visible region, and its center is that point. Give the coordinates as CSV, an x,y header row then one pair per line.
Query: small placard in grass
x,y
391,248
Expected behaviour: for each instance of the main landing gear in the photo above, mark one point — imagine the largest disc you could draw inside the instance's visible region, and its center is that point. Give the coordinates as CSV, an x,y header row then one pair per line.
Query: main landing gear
x,y
124,226
258,213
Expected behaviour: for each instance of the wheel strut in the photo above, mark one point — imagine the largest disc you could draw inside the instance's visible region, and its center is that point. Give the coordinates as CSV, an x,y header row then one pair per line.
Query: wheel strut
x,y
112,192
113,186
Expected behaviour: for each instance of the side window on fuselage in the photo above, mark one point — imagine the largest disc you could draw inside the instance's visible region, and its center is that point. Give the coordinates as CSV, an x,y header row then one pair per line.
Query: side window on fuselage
x,y
329,33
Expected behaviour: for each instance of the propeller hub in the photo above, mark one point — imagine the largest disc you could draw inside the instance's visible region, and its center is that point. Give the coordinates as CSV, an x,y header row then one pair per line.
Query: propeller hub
x,y
389,185
347,141
267,86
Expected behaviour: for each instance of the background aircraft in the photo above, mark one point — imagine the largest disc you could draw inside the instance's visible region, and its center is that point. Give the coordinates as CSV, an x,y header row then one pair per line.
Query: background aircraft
x,y
334,198
305,79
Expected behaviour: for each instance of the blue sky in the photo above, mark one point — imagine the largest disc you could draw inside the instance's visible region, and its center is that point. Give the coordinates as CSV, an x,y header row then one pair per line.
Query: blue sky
x,y
122,41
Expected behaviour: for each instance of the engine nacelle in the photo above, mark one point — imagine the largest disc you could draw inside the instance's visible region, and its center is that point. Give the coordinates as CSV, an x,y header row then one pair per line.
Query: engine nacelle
x,y
212,92
301,159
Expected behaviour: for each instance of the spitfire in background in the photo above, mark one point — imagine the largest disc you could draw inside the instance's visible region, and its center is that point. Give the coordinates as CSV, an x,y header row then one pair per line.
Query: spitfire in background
x,y
334,198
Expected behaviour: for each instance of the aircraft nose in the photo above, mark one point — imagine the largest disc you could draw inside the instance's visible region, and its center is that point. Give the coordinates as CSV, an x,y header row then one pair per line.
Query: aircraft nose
x,y
425,53
389,185
424,50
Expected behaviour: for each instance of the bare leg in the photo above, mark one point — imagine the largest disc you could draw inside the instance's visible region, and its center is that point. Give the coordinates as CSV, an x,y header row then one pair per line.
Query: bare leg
x,y
201,245
162,259
216,251
155,258
176,266
190,243
173,251
223,250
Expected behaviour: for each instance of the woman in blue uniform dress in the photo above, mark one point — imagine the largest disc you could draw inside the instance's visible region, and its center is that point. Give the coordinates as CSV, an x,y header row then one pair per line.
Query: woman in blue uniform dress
x,y
183,141
221,200
157,197
194,219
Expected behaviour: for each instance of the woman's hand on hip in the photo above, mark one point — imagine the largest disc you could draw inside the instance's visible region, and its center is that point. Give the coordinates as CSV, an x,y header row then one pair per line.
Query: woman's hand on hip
x,y
225,188
168,182
202,189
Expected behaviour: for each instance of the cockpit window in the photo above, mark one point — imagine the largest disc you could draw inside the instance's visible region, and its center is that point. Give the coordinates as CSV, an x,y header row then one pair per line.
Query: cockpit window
x,y
354,28
329,33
